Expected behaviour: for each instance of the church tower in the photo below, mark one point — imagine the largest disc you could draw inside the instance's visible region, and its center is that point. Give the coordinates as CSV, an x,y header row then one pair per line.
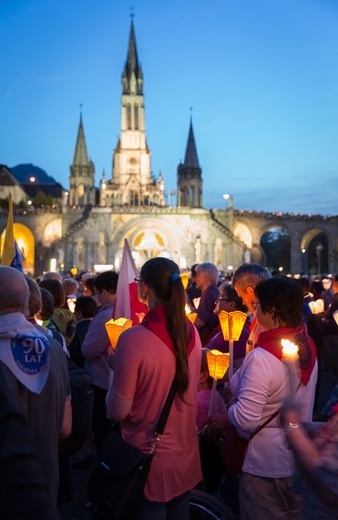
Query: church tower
x,y
82,173
132,183
189,176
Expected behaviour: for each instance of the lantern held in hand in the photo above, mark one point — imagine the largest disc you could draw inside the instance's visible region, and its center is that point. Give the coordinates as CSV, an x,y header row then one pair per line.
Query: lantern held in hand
x,y
115,327
232,324
218,363
185,279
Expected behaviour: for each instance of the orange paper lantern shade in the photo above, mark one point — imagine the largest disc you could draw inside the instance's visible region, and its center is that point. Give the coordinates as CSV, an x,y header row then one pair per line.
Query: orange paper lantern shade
x,y
232,324
185,279
115,327
73,271
192,316
218,363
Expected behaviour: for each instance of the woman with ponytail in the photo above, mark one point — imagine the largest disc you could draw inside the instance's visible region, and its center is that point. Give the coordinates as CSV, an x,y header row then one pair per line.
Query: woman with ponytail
x,y
146,360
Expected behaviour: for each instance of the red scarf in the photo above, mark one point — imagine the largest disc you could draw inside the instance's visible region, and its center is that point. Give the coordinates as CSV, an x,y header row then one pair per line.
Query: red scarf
x,y
270,340
156,321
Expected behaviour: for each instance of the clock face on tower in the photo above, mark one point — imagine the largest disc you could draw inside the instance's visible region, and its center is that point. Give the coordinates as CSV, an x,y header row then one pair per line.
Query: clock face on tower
x,y
132,161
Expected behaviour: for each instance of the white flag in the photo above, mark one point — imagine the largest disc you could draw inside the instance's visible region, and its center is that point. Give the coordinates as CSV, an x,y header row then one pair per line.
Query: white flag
x,y
127,304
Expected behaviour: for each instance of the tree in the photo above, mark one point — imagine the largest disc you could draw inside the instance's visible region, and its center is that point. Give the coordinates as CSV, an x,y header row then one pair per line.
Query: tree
x,y
41,199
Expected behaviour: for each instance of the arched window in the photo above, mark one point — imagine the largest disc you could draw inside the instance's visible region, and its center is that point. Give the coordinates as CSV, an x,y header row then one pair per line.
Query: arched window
x,y
192,196
129,117
136,116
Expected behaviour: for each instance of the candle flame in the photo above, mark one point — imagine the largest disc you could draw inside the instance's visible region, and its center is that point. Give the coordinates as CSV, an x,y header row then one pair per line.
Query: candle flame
x,y
288,347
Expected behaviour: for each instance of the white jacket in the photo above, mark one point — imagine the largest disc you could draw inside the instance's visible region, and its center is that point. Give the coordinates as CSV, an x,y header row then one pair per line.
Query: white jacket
x,y
260,386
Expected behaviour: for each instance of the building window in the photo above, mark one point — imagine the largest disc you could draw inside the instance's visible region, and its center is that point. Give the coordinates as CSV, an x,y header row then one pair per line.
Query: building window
x,y
129,117
136,116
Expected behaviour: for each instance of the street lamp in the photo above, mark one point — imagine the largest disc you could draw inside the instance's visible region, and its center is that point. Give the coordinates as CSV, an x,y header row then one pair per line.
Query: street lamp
x,y
319,249
172,194
230,200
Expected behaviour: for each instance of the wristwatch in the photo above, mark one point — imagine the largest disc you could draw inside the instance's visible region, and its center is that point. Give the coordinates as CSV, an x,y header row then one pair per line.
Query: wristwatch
x,y
291,426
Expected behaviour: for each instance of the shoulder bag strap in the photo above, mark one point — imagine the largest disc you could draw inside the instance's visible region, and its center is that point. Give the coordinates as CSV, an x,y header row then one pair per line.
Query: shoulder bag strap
x,y
268,420
264,424
166,409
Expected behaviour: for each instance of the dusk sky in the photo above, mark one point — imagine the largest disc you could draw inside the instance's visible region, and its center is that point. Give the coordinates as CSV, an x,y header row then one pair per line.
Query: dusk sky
x,y
261,77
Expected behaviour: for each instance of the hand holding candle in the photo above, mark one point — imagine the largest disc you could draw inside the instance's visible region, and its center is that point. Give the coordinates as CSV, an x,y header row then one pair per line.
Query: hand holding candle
x,y
291,360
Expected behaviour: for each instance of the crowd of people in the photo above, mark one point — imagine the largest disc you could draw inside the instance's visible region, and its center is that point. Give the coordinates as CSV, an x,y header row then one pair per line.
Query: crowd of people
x,y
63,387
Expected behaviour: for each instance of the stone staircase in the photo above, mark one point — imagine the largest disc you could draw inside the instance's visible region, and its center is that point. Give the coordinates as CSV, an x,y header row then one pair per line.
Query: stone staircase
x,y
76,226
225,230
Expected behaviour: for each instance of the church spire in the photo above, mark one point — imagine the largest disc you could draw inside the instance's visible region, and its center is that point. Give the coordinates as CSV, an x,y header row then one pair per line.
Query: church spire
x,y
132,77
82,173
132,182
80,154
191,159
189,176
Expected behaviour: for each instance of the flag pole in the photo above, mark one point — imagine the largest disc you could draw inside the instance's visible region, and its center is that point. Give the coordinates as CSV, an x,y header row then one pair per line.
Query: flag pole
x,y
8,251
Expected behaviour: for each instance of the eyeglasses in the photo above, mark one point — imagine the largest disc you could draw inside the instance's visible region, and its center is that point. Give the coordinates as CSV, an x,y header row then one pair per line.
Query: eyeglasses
x,y
137,279
254,305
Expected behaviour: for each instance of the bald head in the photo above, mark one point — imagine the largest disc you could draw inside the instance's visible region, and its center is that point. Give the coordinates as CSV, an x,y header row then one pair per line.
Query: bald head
x,y
13,291
52,275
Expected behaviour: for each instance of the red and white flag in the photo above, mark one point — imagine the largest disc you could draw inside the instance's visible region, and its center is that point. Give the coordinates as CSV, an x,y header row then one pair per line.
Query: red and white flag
x,y
127,304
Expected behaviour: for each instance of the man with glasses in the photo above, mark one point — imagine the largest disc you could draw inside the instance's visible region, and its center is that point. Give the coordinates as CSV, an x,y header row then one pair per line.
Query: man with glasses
x,y
245,279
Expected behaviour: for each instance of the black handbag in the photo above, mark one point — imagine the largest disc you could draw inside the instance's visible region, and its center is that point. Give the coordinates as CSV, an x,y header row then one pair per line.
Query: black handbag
x,y
116,484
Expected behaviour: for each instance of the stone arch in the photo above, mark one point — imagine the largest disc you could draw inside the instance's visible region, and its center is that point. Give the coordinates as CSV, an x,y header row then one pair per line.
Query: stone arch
x,y
243,233
149,243
26,243
145,242
315,251
308,237
160,238
52,232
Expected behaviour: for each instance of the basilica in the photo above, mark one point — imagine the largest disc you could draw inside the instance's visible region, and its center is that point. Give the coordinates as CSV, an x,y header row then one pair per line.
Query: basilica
x,y
86,229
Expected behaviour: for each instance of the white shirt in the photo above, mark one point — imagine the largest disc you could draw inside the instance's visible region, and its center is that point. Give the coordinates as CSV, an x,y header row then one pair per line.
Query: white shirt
x,y
260,386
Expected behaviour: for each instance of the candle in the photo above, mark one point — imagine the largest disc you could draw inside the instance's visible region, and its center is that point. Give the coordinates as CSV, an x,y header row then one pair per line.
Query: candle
x,y
291,360
185,279
231,359
232,324
192,316
218,363
114,329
